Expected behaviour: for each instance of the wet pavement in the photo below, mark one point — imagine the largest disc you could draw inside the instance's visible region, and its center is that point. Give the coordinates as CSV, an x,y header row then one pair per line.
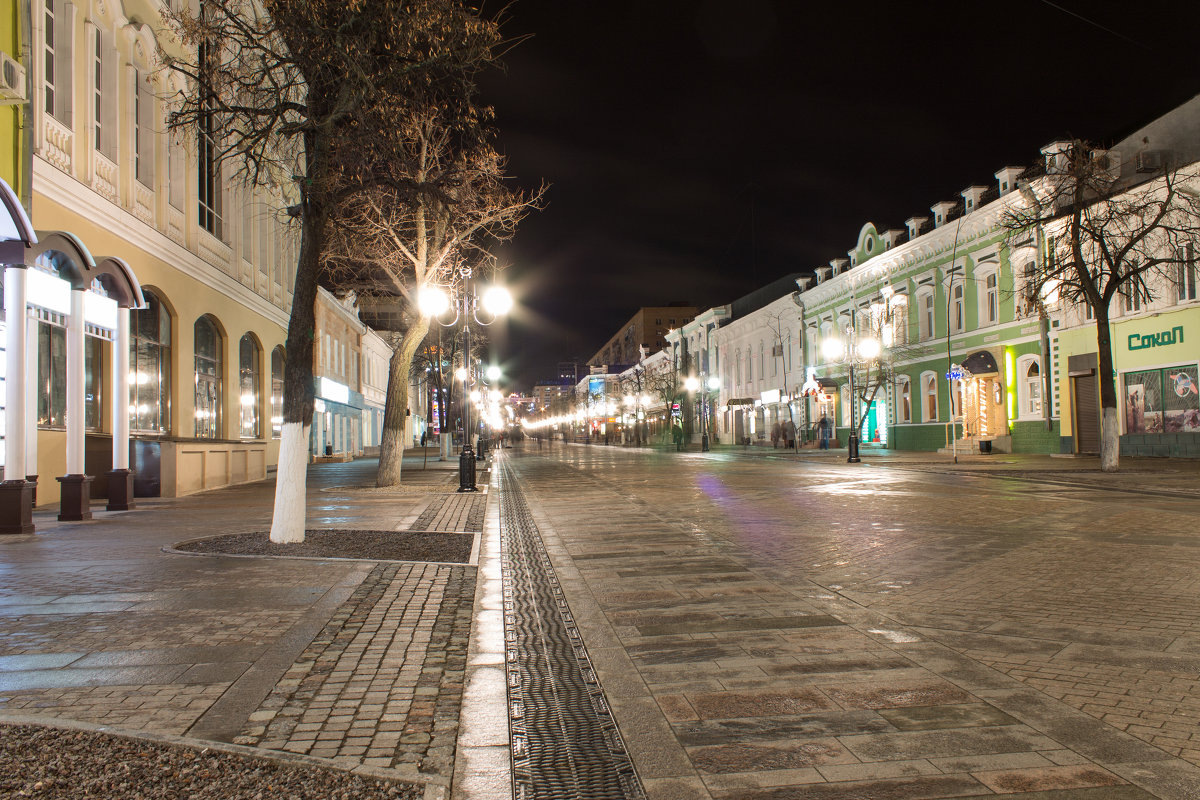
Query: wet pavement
x,y
770,625
357,662
764,624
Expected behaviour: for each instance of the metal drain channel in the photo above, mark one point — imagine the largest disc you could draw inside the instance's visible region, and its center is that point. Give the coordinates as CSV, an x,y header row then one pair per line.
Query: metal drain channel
x,y
565,744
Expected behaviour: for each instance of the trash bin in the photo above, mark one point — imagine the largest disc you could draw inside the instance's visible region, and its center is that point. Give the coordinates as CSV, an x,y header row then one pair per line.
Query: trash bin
x,y
985,447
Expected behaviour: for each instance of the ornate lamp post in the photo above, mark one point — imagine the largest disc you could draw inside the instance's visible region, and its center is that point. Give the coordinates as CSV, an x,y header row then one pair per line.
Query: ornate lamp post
x,y
853,351
710,384
435,301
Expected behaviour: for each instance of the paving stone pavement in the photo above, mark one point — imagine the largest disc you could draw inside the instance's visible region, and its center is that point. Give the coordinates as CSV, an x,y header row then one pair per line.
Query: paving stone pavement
x,y
98,624
774,628
382,682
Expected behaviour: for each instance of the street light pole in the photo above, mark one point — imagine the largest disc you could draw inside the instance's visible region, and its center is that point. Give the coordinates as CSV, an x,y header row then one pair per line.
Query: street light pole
x,y
433,302
852,444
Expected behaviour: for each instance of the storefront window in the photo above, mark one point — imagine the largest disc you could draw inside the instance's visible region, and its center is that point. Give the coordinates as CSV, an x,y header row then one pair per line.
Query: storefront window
x,y
150,359
277,393
1162,400
248,375
52,378
208,379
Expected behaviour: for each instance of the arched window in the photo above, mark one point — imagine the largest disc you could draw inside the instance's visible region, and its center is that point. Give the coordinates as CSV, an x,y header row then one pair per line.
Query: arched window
x,y
1029,387
277,392
749,368
249,374
208,379
150,360
904,393
929,396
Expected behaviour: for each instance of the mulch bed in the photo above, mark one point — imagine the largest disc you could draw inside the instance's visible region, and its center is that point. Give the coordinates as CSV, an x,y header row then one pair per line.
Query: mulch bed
x,y
453,548
54,764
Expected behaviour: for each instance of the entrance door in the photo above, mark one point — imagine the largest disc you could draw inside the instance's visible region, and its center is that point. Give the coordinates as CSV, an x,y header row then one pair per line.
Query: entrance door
x,y
1086,398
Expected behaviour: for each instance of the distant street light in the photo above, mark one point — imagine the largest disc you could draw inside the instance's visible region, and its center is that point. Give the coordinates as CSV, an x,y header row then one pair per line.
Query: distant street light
x,y
853,351
434,301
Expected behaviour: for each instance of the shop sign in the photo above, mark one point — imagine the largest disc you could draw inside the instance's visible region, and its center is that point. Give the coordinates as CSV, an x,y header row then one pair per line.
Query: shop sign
x,y
1141,341
770,396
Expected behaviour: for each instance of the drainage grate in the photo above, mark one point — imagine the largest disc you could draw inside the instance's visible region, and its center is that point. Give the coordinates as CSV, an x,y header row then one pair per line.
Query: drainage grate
x,y
565,744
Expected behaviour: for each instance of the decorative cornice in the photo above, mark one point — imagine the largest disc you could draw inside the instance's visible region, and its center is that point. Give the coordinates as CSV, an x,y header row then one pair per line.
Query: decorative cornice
x,y
939,242
58,187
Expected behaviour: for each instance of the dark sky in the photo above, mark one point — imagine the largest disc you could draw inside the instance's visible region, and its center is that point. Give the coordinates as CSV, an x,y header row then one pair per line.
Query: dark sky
x,y
698,150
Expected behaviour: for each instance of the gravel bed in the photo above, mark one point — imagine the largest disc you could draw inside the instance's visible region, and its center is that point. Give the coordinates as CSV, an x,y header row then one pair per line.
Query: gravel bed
x,y
54,764
453,548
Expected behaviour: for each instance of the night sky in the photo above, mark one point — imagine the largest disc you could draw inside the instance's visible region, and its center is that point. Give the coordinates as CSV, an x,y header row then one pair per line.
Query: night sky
x,y
699,150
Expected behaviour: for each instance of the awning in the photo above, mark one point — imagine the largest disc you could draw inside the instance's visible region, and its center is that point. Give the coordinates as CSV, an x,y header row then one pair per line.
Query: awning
x,y
980,362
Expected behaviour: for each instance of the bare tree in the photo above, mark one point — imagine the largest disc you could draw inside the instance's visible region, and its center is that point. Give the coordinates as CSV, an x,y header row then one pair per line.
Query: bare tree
x,y
436,209
280,92
1104,240
777,323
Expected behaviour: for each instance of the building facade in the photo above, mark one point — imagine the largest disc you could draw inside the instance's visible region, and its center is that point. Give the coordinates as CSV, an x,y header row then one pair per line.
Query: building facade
x,y
647,330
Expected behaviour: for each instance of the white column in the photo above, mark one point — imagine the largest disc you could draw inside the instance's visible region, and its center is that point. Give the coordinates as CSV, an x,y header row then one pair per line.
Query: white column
x,y
31,395
120,382
16,295
75,387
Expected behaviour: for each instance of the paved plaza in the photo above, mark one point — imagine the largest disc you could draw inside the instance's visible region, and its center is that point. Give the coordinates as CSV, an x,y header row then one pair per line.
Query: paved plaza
x,y
757,625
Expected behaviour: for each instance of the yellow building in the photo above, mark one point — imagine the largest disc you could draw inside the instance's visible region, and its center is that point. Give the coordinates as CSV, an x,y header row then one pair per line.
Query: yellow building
x,y
204,263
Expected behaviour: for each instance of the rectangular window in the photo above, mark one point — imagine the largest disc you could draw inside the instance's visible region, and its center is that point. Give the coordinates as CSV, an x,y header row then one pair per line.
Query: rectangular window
x,y
958,310
49,57
925,321
52,378
56,59
144,140
98,90
1186,278
209,188
993,299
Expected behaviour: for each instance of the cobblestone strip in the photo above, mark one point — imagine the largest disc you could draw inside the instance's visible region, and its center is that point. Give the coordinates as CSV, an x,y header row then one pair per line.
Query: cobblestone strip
x,y
454,512
382,683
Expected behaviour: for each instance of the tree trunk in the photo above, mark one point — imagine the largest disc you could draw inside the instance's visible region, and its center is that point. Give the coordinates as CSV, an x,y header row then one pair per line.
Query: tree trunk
x,y
391,444
287,523
1110,419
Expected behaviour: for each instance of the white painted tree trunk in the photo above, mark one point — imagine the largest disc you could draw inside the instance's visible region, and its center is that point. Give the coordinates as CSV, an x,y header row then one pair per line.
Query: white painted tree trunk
x,y
287,526
1110,440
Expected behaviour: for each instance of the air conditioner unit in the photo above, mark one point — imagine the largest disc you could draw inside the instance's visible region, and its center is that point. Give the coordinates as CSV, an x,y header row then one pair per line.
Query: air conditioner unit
x,y
777,350
1149,161
12,79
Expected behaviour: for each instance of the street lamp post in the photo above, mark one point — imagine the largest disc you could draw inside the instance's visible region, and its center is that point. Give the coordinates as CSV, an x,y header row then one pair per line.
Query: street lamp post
x,y
710,384
852,352
435,301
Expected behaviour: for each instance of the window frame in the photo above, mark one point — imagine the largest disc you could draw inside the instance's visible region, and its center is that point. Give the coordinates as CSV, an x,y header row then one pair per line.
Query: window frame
x,y
930,410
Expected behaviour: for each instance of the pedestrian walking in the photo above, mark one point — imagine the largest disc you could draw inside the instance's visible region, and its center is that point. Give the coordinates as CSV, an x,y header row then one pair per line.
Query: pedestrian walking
x,y
424,435
823,431
677,434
